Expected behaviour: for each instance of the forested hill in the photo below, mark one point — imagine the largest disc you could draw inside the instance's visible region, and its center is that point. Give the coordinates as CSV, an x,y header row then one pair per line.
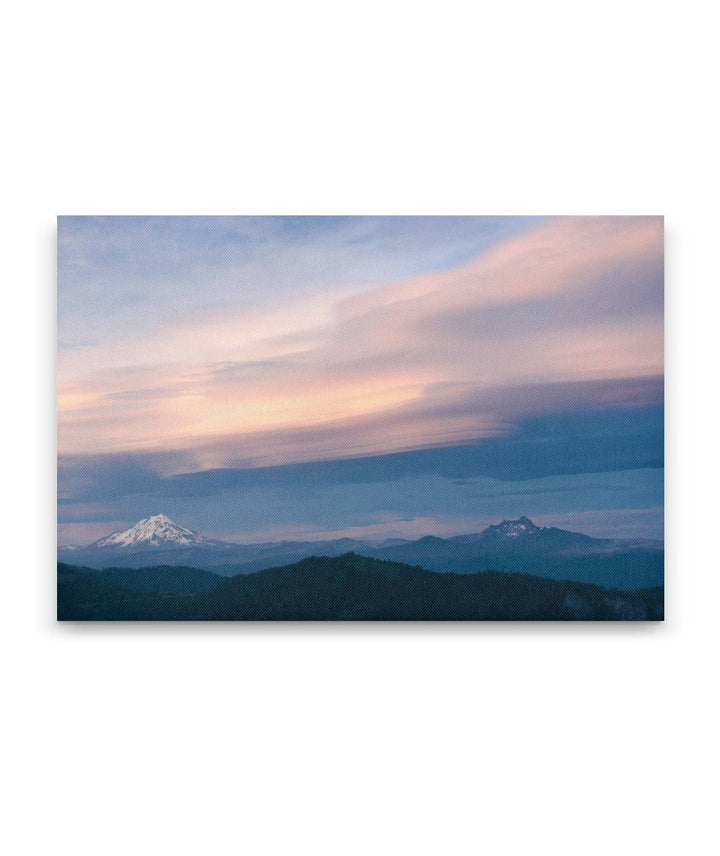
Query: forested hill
x,y
353,587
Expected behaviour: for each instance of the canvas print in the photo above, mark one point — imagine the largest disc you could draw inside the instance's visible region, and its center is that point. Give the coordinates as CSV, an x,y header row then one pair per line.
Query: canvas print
x,y
360,418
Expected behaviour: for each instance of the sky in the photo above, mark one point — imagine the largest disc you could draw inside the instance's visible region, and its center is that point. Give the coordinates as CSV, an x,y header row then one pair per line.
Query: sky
x,y
266,378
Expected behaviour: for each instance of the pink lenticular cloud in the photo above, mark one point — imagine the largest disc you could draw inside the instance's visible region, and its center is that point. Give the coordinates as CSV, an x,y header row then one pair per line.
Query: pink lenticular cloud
x,y
577,299
561,256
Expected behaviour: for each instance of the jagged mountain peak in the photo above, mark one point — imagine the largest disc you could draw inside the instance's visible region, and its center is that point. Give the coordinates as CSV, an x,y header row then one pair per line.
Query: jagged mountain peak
x,y
514,528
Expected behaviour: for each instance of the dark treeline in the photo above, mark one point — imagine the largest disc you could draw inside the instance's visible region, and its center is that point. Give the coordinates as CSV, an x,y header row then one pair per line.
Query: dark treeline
x,y
344,588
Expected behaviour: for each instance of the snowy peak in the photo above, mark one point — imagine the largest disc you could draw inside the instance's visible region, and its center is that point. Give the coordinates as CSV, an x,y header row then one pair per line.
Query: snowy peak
x,y
513,528
155,531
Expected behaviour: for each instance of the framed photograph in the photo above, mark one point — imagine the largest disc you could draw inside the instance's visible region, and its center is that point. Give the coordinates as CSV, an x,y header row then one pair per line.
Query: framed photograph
x,y
360,418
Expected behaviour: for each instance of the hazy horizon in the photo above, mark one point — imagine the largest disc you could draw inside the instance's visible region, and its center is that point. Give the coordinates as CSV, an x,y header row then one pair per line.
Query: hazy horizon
x,y
574,522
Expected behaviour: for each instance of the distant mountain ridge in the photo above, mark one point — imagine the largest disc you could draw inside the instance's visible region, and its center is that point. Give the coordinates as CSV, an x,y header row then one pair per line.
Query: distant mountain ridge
x,y
515,545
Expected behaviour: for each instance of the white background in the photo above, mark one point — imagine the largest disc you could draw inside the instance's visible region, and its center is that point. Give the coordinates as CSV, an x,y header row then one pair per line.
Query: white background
x,y
359,739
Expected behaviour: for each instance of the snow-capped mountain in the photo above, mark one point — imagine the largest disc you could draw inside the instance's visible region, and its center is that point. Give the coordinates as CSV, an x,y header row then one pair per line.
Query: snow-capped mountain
x,y
155,540
158,532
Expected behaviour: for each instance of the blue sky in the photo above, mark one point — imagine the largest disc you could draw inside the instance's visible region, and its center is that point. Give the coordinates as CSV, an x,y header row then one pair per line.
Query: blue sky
x,y
121,274
419,374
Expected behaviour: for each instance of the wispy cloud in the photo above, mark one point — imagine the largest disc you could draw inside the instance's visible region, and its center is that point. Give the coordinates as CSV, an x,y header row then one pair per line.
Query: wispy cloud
x,y
351,368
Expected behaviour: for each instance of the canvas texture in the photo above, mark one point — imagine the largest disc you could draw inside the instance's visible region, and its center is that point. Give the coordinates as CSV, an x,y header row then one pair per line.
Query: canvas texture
x,y
360,418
